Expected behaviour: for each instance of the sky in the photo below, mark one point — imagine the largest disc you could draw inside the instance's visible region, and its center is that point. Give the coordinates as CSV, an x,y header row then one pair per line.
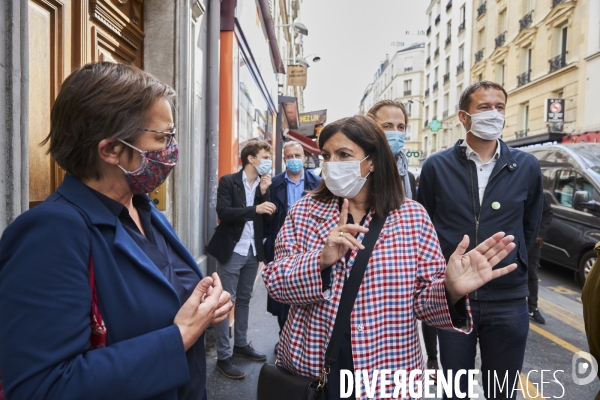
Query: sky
x,y
352,37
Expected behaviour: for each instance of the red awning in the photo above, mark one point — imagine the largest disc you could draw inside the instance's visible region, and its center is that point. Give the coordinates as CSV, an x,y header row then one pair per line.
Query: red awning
x,y
309,145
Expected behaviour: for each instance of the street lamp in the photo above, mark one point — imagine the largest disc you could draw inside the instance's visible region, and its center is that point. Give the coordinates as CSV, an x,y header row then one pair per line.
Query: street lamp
x,y
413,100
297,26
302,60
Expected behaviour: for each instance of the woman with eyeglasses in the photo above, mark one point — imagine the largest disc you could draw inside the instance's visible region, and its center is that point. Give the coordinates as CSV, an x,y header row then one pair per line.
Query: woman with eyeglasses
x,y
98,297
406,276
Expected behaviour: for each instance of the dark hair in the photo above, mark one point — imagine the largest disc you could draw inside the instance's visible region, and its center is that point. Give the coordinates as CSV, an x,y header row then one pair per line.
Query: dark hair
x,y
385,186
99,101
465,98
252,148
387,103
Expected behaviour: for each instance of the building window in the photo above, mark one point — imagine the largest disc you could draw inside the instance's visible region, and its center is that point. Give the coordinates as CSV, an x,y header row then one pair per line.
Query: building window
x,y
559,49
525,76
408,132
459,90
408,87
500,73
523,120
527,6
408,107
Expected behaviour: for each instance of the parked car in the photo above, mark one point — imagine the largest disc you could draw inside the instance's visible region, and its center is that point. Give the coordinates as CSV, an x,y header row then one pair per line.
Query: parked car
x,y
571,179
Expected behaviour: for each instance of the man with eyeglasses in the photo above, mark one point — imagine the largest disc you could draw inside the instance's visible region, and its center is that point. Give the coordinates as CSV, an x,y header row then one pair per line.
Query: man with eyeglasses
x,y
286,189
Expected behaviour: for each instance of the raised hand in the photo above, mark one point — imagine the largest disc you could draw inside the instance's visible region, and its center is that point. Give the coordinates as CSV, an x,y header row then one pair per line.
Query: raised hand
x,y
467,272
340,239
265,182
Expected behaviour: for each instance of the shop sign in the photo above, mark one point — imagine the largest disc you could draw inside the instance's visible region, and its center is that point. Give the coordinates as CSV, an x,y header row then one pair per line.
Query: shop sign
x,y
296,75
435,125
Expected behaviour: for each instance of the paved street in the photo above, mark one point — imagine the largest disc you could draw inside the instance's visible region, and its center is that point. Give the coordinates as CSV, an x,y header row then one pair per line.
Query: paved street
x,y
549,347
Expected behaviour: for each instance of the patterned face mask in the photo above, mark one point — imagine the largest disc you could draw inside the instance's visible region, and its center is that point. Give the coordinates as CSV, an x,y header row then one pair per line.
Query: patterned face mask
x,y
154,169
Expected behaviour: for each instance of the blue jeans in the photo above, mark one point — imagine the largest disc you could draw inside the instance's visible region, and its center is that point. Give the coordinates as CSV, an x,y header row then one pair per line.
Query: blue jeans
x,y
502,328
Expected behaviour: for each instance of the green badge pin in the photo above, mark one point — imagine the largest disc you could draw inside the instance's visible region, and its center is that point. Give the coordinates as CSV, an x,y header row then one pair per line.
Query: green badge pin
x,y
495,205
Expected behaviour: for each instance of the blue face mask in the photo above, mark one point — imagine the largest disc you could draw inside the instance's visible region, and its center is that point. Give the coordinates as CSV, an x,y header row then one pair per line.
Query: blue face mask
x,y
264,167
294,165
395,140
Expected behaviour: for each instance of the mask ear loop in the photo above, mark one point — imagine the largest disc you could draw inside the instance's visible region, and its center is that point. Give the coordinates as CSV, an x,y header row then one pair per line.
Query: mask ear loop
x,y
142,163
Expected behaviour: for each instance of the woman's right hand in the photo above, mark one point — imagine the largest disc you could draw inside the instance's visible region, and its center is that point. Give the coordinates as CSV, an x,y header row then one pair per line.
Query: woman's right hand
x,y
340,239
199,310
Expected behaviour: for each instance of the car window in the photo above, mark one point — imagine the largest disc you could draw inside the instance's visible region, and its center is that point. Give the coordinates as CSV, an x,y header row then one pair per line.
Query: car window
x,y
561,157
565,186
548,175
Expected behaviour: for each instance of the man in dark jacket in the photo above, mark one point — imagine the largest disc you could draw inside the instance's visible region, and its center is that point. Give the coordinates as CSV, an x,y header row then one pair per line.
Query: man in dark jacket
x,y
243,207
287,188
534,263
479,187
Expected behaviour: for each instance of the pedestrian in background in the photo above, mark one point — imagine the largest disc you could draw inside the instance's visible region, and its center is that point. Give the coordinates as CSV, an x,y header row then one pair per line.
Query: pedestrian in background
x,y
405,278
243,207
481,186
287,188
98,297
534,255
392,117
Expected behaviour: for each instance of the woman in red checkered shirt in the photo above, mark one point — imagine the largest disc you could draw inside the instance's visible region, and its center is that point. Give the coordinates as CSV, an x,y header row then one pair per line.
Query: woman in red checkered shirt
x,y
406,277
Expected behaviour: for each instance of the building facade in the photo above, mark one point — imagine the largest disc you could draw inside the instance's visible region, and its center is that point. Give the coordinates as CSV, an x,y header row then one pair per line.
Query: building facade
x,y
401,79
447,72
538,50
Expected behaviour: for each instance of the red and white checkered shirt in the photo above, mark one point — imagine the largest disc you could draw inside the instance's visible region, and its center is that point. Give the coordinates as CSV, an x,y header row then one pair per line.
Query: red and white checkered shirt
x,y
403,282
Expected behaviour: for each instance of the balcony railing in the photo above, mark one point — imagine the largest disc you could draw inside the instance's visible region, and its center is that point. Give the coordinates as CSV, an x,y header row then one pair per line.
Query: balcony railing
x,y
428,31
437,19
436,52
558,62
556,2
481,10
445,114
521,134
426,92
448,41
460,67
479,56
446,77
501,39
407,69
462,26
435,86
428,60
449,5
523,79
426,124
407,92
526,21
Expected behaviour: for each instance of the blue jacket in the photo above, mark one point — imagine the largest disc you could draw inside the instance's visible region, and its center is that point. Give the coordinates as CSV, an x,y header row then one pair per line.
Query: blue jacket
x,y
45,302
448,189
279,198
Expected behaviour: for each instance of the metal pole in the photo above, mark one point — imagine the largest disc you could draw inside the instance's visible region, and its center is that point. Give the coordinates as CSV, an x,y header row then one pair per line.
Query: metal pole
x,y
212,114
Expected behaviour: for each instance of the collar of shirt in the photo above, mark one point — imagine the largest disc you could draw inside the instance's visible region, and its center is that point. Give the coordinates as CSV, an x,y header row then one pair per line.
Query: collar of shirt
x,y
287,179
247,184
139,201
472,154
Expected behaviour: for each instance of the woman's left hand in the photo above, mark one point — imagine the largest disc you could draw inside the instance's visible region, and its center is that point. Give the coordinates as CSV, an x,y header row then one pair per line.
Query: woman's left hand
x,y
467,272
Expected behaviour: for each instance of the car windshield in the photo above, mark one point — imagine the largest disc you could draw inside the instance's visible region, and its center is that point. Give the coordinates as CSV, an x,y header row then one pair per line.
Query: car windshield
x,y
591,155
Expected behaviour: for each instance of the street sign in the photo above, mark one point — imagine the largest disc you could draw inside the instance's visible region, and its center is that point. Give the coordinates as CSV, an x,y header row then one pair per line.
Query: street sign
x,y
555,110
435,125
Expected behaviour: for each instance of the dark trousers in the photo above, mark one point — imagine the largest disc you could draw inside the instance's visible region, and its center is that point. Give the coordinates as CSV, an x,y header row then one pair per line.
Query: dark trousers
x,y
534,263
430,339
501,328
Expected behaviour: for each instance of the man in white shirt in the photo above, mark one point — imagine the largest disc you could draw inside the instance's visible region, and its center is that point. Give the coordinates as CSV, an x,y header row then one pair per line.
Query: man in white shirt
x,y
243,207
478,187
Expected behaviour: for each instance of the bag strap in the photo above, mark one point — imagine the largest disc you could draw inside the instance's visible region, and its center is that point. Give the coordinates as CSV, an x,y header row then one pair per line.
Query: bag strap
x,y
351,290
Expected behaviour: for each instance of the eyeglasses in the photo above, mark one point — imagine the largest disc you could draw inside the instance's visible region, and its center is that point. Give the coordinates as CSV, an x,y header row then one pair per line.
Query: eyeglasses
x,y
293,156
170,135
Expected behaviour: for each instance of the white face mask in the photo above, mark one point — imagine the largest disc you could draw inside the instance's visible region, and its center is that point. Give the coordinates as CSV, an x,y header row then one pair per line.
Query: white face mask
x,y
342,178
487,125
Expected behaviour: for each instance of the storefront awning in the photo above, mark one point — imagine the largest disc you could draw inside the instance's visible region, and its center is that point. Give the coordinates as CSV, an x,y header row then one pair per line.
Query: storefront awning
x,y
548,137
310,146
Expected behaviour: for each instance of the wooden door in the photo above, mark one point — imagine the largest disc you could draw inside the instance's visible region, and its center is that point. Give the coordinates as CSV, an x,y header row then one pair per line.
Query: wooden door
x,y
63,35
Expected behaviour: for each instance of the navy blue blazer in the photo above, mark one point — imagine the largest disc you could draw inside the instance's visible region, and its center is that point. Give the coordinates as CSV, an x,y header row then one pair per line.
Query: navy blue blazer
x,y
279,198
45,301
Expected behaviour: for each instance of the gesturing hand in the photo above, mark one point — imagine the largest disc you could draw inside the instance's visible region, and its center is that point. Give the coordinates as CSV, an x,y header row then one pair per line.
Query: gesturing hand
x,y
467,272
340,239
199,310
265,182
266,208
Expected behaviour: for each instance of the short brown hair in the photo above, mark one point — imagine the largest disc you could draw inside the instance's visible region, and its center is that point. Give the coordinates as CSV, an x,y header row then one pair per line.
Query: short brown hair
x,y
388,103
465,98
252,148
385,186
99,101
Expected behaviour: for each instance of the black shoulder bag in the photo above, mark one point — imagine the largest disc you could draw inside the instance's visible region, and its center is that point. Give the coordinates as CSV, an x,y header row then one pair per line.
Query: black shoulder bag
x,y
276,382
